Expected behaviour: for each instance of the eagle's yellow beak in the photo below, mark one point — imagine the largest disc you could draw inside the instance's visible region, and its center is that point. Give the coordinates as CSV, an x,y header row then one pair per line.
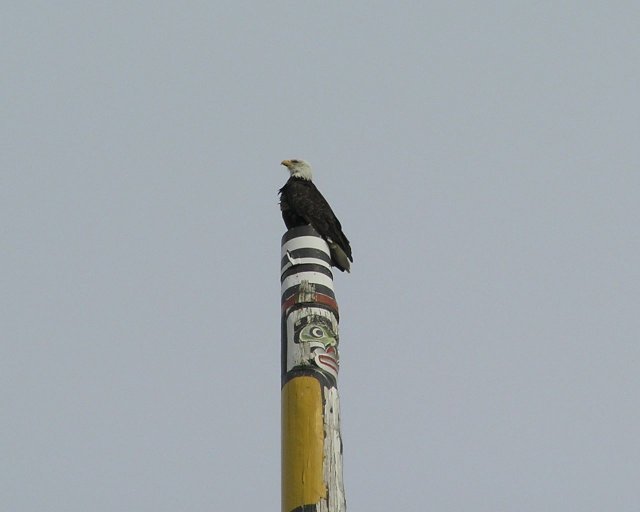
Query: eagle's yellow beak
x,y
286,163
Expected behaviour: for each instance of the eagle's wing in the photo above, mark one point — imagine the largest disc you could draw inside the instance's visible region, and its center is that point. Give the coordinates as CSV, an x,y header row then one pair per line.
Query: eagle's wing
x,y
308,202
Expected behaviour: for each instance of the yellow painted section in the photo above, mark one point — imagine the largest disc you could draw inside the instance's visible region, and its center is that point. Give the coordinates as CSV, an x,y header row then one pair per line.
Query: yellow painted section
x,y
302,443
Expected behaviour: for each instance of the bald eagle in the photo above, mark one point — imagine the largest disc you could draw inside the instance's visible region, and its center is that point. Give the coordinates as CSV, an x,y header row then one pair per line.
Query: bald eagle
x,y
302,203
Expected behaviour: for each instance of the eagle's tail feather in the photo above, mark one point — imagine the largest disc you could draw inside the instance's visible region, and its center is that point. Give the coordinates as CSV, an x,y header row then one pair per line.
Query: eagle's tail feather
x,y
339,257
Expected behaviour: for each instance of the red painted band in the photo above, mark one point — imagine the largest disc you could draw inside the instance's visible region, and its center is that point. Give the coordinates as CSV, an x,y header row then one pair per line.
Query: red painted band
x,y
318,298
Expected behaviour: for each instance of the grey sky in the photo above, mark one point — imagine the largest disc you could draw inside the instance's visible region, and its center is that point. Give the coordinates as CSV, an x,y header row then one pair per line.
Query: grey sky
x,y
483,159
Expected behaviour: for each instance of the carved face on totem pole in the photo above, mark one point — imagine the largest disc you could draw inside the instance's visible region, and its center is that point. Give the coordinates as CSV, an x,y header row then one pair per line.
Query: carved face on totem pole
x,y
316,344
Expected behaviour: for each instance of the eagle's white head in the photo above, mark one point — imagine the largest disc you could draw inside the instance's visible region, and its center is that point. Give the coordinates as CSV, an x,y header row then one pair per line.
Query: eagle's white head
x,y
298,169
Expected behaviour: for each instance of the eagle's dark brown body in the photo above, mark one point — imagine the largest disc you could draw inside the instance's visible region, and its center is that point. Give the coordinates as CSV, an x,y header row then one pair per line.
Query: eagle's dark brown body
x,y
302,203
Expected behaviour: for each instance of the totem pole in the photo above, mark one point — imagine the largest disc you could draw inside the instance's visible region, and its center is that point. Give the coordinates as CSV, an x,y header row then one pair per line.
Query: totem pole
x,y
311,442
